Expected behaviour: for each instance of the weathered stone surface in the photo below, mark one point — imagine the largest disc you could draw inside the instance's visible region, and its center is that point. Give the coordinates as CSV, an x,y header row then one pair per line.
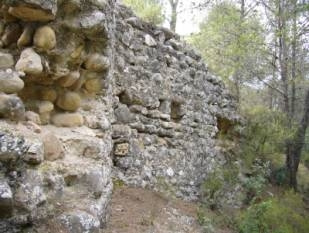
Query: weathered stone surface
x,y
45,118
69,79
11,107
44,38
69,101
68,119
29,62
121,149
123,114
121,132
26,37
148,102
30,193
10,82
35,153
6,60
11,148
34,10
40,106
53,148
150,41
6,200
48,94
97,63
79,222
93,85
91,23
11,34
32,116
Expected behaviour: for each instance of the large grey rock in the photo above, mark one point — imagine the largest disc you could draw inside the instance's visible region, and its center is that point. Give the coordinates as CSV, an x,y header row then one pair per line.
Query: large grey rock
x,y
11,148
79,222
11,107
30,194
29,62
6,200
35,153
10,82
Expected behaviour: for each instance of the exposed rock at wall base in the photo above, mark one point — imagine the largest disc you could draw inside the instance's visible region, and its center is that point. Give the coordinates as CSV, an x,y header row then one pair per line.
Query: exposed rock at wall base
x,y
89,93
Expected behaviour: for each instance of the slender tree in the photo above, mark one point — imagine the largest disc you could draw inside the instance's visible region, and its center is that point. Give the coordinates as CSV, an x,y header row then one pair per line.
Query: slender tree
x,y
174,14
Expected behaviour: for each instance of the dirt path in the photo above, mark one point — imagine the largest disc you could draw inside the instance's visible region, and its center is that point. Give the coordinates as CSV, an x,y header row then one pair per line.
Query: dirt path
x,y
135,210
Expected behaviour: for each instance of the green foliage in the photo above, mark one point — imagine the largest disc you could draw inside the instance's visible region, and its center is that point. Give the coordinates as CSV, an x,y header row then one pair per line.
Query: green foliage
x,y
217,184
230,43
277,215
265,136
205,221
256,183
148,10
118,183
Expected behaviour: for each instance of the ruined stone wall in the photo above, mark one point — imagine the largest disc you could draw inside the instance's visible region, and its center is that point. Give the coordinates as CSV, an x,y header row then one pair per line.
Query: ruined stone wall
x,y
90,93
55,84
167,110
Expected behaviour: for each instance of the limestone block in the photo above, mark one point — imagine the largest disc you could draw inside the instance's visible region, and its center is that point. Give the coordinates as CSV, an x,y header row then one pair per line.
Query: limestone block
x,y
29,62
69,79
45,118
45,38
79,222
48,94
97,62
35,153
27,13
150,41
40,106
93,85
69,101
6,60
11,107
10,82
30,194
95,122
121,149
53,148
123,114
68,120
121,131
33,116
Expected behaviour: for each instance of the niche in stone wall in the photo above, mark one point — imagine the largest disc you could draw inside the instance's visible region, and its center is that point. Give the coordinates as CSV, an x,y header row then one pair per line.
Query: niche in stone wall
x,y
177,109
225,126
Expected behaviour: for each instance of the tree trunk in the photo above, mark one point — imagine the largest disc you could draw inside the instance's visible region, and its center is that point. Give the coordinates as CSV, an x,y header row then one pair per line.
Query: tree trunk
x,y
283,55
173,21
293,68
295,146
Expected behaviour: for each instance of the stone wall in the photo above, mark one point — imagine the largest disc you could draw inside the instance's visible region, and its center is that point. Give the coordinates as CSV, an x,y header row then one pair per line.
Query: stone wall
x,y
167,110
90,93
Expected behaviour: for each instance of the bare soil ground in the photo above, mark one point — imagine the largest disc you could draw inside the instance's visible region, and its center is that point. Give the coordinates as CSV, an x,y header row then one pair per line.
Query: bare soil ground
x,y
135,210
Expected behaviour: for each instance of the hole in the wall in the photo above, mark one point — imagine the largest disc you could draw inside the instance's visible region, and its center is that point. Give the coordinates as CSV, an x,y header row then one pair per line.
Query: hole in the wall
x,y
224,125
70,180
124,98
177,111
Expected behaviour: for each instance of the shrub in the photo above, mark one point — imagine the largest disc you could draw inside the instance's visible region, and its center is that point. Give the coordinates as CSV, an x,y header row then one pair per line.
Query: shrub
x,y
276,215
148,10
265,136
